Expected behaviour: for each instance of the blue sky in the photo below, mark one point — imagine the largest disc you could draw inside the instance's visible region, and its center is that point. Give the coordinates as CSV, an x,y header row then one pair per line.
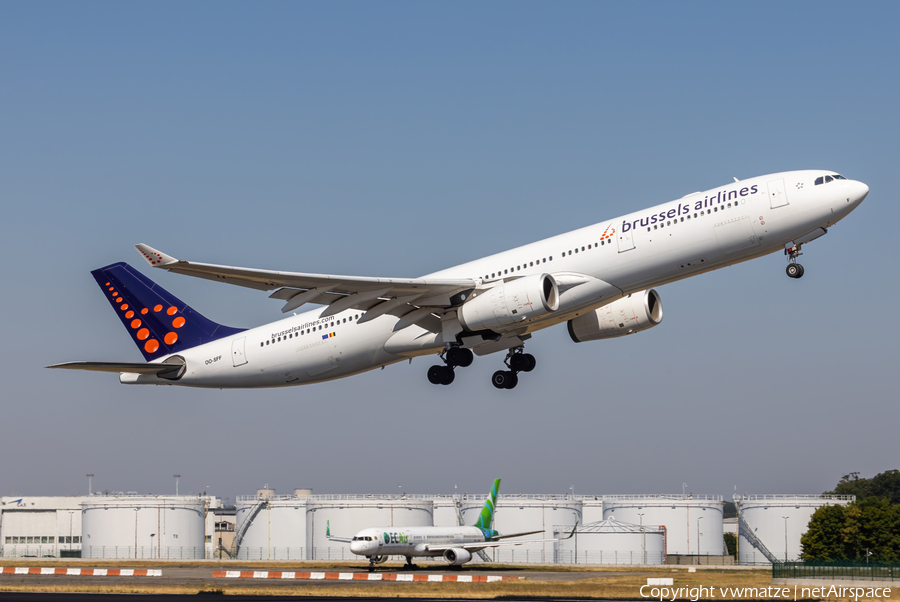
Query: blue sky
x,y
396,139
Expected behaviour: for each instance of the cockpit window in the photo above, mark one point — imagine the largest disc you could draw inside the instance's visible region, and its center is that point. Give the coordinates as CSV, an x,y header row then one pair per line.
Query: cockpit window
x,y
831,178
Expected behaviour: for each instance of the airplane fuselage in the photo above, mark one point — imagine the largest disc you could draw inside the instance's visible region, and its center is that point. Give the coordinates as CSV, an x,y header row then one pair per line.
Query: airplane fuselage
x,y
698,233
413,541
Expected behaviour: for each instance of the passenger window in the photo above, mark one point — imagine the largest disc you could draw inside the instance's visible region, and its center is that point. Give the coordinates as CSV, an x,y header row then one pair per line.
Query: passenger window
x,y
532,265
261,343
582,248
506,271
576,249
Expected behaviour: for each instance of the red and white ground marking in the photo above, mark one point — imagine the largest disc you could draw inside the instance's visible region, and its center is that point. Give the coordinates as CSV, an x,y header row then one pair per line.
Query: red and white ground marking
x,y
24,570
414,577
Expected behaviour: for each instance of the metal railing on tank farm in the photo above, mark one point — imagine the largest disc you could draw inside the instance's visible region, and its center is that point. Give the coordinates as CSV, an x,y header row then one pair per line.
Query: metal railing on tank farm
x,y
844,571
111,552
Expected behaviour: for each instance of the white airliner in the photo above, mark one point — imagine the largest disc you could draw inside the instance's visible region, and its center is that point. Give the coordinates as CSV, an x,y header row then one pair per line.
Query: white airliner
x,y
598,279
455,544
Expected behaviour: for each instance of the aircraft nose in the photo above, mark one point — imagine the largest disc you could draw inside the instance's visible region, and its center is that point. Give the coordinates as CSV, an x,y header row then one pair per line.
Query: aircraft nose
x,y
356,547
861,190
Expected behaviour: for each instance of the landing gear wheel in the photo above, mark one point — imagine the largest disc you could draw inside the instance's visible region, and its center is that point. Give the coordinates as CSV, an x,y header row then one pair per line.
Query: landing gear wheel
x,y
531,362
513,380
449,375
518,362
440,375
794,270
457,356
504,379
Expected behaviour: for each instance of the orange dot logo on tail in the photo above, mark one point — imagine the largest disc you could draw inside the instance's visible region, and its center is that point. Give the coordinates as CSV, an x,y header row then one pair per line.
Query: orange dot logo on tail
x,y
124,306
135,323
144,311
142,334
151,346
171,338
129,315
178,322
111,288
171,311
157,308
118,299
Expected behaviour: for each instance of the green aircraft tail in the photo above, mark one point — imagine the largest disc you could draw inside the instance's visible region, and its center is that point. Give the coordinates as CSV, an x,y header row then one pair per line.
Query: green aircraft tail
x,y
486,518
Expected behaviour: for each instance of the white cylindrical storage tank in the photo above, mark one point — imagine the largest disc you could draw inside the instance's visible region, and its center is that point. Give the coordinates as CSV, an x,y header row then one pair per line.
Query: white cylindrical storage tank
x,y
276,529
446,510
132,526
303,492
591,509
265,494
349,514
775,523
610,542
693,523
523,513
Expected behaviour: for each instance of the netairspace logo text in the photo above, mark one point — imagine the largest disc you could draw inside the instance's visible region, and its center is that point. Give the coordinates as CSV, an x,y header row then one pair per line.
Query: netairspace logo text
x,y
762,593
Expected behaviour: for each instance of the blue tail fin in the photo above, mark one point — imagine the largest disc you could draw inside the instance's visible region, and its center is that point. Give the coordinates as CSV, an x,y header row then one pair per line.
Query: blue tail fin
x,y
159,323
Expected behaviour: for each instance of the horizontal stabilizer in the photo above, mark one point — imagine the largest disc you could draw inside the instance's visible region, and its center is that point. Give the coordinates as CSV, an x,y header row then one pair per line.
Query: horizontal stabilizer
x,y
120,367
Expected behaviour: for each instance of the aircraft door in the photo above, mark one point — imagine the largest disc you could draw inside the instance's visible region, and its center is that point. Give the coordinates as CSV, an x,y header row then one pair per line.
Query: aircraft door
x,y
777,194
626,241
238,357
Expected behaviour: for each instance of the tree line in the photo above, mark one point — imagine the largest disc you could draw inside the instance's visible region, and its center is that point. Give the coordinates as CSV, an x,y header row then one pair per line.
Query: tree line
x,y
868,528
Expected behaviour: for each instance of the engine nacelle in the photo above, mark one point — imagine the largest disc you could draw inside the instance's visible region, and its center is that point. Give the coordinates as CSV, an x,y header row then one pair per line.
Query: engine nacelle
x,y
634,313
457,556
509,303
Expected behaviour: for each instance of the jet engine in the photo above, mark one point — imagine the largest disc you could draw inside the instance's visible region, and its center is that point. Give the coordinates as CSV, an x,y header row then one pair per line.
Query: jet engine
x,y
379,559
457,556
509,303
634,313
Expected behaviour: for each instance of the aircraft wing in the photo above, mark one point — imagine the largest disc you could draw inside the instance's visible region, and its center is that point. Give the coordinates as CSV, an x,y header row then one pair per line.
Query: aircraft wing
x,y
383,295
495,543
339,539
120,367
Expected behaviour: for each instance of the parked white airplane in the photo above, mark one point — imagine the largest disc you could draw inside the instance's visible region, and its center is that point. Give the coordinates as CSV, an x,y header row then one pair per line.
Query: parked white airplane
x,y
455,544
597,279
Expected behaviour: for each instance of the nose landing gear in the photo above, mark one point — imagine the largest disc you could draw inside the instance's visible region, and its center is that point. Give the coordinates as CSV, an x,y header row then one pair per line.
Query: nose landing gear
x,y
794,269
453,357
517,361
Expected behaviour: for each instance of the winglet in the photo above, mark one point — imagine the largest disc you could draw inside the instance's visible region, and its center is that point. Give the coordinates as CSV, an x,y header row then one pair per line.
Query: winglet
x,y
157,259
328,528
569,536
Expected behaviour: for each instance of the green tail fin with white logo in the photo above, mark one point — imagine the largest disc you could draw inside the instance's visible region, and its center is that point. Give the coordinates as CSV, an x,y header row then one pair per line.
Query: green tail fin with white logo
x,y
486,518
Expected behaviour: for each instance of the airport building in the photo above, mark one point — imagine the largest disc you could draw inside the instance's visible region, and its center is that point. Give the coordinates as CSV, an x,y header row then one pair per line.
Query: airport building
x,y
115,525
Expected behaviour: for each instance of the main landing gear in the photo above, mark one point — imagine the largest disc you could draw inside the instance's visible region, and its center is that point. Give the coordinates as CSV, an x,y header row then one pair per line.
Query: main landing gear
x,y
794,269
453,357
517,361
